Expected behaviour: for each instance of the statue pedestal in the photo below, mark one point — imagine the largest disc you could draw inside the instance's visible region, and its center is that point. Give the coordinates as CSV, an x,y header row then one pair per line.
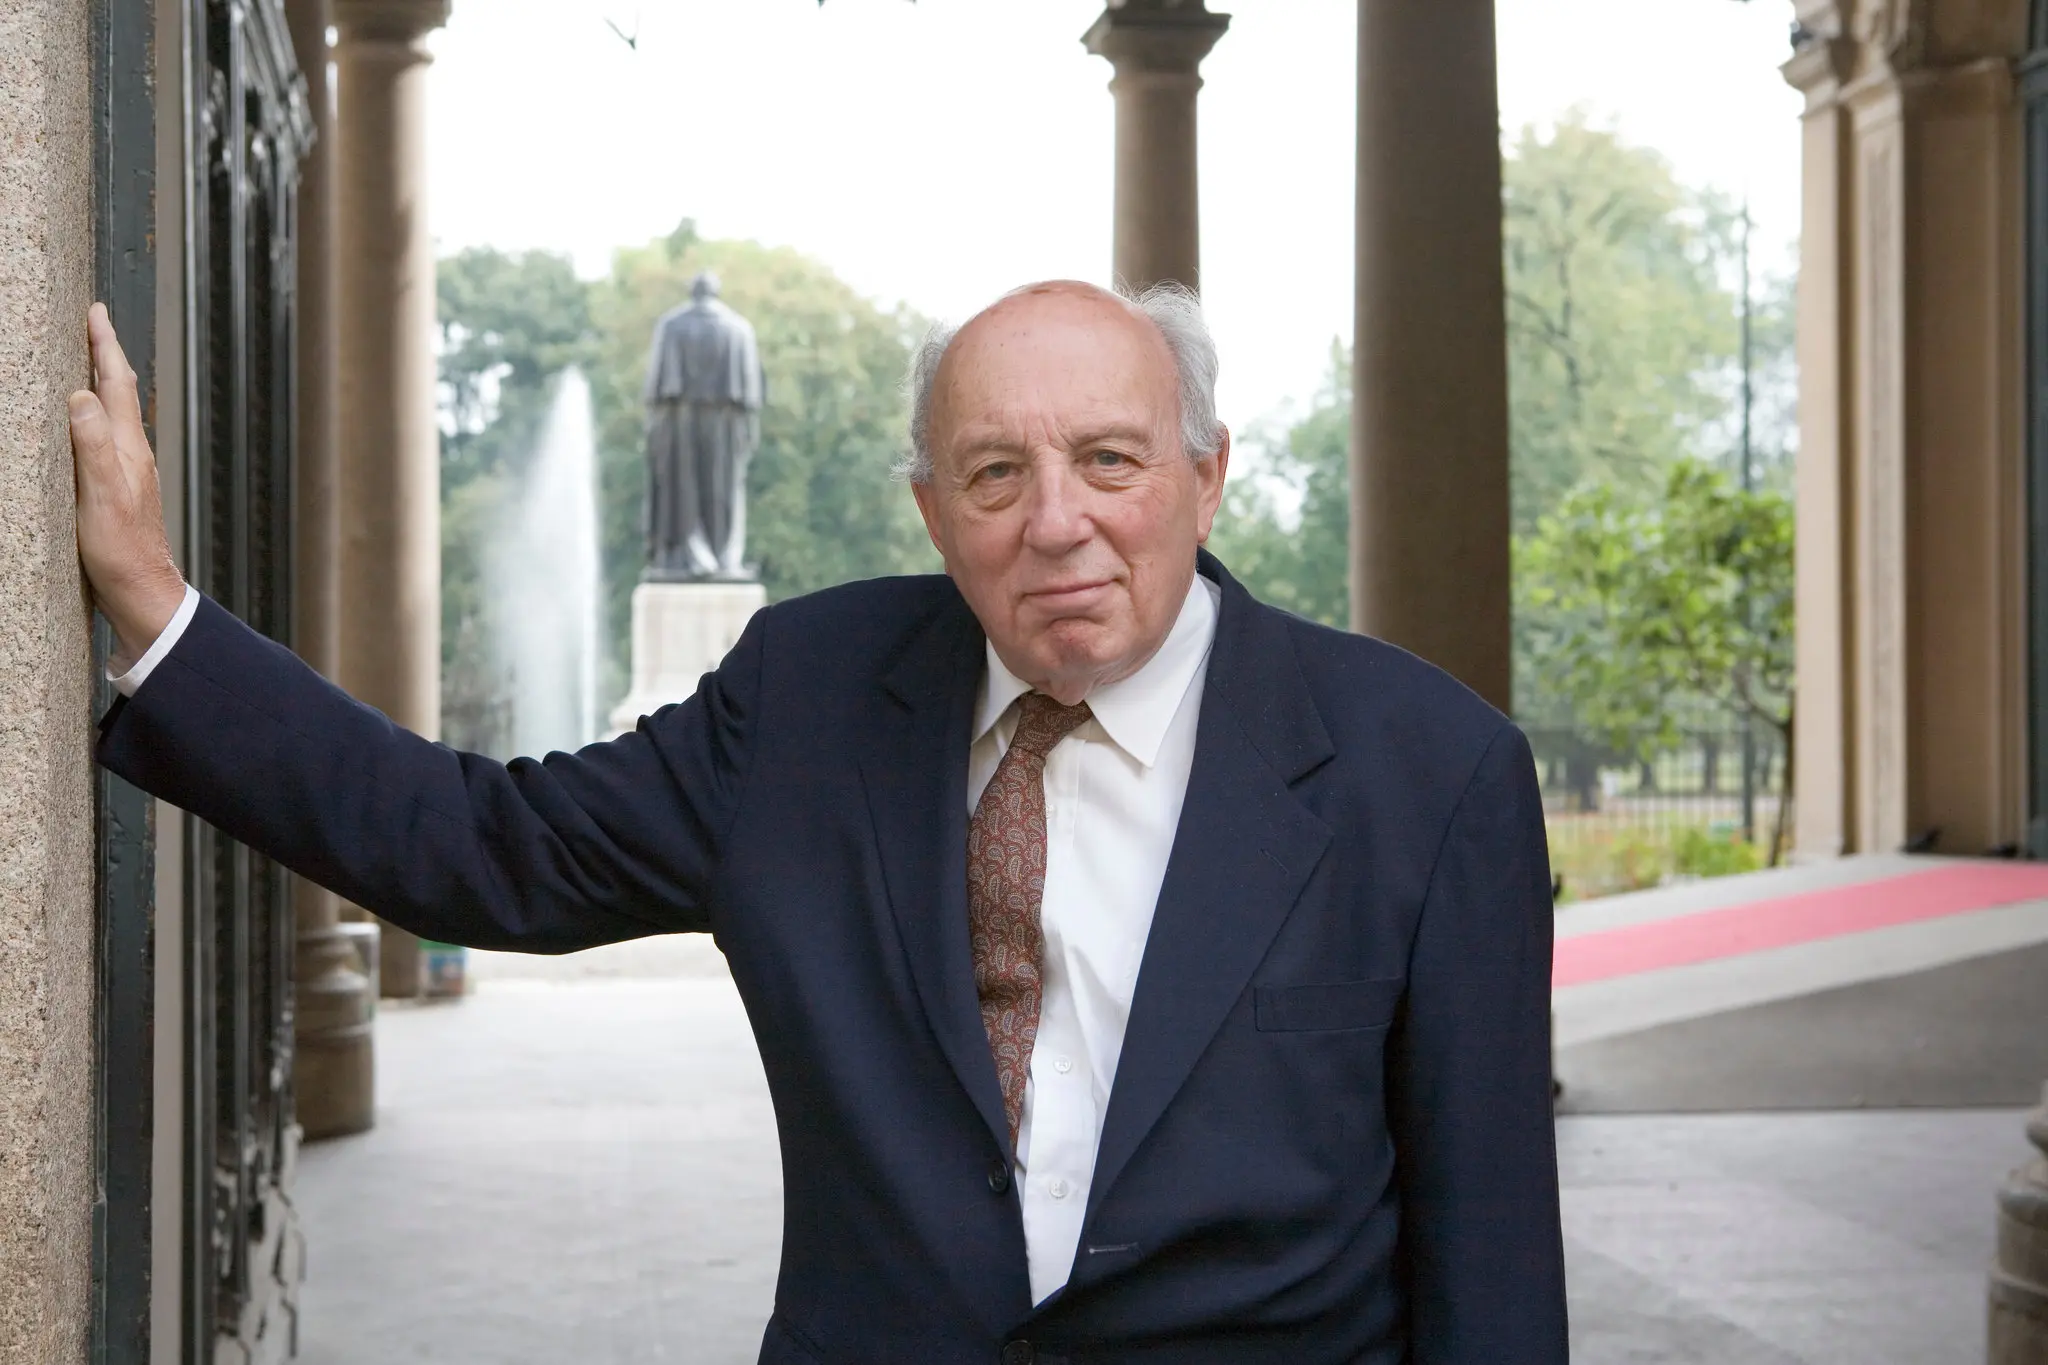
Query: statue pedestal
x,y
680,632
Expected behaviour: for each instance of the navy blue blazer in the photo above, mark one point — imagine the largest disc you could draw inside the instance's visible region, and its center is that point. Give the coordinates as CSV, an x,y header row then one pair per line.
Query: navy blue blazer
x,y
1330,1135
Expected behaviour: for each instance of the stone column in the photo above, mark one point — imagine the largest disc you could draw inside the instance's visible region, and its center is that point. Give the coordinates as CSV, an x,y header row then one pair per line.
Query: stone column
x,y
1911,553
1429,423
389,479
335,1079
1823,705
2019,1273
1156,48
47,930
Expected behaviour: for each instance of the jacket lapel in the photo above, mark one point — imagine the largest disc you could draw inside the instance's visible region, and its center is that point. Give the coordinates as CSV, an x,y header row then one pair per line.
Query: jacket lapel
x,y
915,769
1244,850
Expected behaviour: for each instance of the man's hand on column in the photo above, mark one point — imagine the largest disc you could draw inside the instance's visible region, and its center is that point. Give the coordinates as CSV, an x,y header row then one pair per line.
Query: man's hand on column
x,y
121,538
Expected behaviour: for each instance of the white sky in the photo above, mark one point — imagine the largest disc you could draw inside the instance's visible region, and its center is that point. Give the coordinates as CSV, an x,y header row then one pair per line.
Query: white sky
x,y
944,151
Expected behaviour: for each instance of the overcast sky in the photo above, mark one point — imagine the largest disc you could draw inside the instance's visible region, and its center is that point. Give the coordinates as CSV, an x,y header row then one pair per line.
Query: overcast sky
x,y
944,151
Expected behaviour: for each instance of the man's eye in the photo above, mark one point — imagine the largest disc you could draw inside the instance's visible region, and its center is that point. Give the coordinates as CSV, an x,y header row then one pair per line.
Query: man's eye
x,y
1108,459
999,469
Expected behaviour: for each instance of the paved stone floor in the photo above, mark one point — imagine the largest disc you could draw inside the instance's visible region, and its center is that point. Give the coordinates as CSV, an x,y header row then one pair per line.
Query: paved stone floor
x,y
578,1163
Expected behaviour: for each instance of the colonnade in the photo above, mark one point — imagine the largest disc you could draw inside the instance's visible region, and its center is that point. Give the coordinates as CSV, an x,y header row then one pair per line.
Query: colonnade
x,y
368,492
1429,449
1429,566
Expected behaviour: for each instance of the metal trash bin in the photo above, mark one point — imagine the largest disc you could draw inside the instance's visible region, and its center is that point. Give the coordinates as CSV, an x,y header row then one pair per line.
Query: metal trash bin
x,y
446,968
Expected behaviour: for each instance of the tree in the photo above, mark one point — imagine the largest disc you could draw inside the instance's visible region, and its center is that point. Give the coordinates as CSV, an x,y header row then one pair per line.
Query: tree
x,y
1298,562
1622,315
509,324
1637,609
1623,358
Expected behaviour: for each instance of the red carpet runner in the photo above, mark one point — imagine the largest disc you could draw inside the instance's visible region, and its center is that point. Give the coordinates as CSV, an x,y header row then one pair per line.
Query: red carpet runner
x,y
1785,920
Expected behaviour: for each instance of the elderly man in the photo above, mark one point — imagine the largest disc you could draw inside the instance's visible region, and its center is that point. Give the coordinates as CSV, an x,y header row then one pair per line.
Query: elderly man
x,y
1141,974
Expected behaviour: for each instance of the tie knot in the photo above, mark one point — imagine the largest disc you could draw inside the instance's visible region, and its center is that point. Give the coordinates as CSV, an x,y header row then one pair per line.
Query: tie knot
x,y
1043,723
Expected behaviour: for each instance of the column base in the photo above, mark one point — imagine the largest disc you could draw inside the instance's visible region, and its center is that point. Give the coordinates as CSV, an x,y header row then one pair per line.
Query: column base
x,y
335,1075
2019,1276
336,1080
401,963
681,631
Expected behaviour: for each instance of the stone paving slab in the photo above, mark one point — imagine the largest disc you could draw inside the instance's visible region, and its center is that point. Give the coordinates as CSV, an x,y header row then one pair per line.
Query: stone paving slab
x,y
581,1166
1969,1034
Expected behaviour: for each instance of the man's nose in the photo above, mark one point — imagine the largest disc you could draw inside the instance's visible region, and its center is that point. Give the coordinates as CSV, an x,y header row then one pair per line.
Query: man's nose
x,y
1055,513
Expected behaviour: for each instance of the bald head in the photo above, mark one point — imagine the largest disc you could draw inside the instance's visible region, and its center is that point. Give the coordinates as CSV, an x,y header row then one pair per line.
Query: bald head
x,y
1170,313
1063,478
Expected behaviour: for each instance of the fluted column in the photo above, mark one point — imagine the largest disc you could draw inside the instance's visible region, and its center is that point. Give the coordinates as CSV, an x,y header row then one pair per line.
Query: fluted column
x,y
1429,429
1824,751
335,1078
389,483
1156,48
2019,1274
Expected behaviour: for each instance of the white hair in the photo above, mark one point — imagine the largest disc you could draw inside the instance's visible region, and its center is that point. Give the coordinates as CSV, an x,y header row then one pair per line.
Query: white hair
x,y
1172,308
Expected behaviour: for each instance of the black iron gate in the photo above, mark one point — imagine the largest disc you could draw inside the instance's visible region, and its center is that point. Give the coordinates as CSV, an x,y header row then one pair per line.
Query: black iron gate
x,y
247,128
2034,93
124,195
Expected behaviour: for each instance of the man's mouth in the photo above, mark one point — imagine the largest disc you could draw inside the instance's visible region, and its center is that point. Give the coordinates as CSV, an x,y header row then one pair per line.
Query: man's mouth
x,y
1069,596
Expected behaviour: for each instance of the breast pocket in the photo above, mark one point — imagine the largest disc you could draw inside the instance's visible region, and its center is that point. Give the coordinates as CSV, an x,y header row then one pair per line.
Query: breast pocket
x,y
1327,1007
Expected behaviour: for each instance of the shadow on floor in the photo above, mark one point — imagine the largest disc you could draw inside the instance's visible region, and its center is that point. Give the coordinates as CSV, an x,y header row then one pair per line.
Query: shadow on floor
x,y
1967,1035
584,1169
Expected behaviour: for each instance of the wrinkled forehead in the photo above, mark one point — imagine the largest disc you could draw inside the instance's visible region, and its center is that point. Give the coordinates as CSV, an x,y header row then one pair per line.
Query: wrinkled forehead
x,y
1061,358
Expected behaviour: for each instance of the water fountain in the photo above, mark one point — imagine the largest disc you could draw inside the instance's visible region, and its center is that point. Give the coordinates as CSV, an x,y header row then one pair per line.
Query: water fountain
x,y
544,582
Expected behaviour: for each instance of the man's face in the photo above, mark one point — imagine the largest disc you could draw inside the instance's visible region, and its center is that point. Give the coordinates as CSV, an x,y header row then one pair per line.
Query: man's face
x,y
1066,510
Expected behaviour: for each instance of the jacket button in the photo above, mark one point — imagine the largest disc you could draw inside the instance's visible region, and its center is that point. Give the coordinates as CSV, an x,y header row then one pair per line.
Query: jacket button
x,y
999,1181
1018,1353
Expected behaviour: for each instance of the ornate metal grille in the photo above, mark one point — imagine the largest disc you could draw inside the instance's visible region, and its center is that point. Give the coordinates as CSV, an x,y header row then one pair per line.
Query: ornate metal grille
x,y
124,239
2034,92
247,127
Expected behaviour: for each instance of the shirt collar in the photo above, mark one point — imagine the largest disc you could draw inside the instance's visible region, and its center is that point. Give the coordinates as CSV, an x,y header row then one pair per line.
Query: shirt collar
x,y
1135,711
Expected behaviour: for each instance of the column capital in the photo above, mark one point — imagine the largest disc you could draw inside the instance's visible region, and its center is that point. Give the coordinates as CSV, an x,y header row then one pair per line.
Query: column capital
x,y
388,21
1158,37
1820,64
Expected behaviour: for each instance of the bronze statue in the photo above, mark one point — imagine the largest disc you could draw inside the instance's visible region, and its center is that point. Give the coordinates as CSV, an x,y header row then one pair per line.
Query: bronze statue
x,y
704,394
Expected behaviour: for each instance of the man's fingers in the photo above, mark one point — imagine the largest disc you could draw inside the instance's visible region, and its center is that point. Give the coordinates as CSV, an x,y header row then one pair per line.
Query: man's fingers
x,y
114,377
92,434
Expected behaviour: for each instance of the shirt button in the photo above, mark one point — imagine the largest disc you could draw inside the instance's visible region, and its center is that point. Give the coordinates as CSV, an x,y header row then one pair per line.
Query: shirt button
x,y
1056,1187
1063,1064
999,1176
1018,1353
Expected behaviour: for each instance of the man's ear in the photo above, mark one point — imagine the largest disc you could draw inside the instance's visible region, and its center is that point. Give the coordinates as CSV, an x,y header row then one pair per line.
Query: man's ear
x,y
1209,476
928,508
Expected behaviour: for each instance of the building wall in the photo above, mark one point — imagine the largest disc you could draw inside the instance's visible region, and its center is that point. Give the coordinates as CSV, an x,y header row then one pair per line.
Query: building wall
x,y
46,829
1911,553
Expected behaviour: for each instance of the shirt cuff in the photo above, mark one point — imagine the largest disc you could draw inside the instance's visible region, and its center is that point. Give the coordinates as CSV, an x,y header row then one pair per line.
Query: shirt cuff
x,y
126,683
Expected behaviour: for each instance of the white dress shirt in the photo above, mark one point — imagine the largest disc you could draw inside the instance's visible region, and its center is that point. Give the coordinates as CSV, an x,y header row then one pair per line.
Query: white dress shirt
x,y
1113,792
131,678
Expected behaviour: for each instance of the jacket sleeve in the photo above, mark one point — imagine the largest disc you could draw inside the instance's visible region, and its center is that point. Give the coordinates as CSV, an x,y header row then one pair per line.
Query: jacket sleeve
x,y
1469,1087
618,840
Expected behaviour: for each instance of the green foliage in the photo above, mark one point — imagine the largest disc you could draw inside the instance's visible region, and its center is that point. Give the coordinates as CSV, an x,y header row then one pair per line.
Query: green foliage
x,y
1701,852
1301,567
508,324
1607,858
1630,609
1623,356
1622,330
1601,856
